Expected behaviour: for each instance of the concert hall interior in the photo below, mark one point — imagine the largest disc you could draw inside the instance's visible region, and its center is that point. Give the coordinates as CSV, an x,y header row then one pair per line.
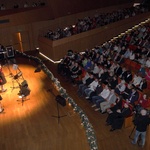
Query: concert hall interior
x,y
43,104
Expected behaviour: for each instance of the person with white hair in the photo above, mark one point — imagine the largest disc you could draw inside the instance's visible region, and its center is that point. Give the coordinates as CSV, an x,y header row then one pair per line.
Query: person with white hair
x,y
141,122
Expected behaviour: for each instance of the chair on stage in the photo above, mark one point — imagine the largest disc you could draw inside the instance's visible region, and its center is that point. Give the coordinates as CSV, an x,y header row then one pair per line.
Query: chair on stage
x,y
24,91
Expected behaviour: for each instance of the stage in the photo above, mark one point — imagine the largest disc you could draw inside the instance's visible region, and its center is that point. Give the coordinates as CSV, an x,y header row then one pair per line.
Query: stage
x,y
30,125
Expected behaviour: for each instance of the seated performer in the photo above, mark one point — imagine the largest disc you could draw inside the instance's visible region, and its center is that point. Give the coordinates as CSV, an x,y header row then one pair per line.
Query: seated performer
x,y
2,80
1,107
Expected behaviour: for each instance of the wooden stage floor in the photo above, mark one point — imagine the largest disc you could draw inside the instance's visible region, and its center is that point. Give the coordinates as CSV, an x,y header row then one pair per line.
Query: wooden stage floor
x,y
31,126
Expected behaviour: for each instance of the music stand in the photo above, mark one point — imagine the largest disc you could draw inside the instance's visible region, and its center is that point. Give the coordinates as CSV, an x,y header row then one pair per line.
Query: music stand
x,y
15,67
16,77
59,100
58,114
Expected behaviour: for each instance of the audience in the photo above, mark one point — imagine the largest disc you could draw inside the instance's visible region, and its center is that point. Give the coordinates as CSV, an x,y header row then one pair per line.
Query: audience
x,y
89,23
106,80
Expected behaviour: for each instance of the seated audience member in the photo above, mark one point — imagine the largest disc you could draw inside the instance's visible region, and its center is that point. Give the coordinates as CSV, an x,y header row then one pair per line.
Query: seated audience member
x,y
97,91
132,56
95,70
112,67
91,87
143,103
142,60
143,85
128,76
148,62
109,78
84,62
123,50
84,78
26,5
16,5
74,71
116,118
147,77
133,96
118,70
87,66
108,102
100,98
124,73
83,86
101,71
76,75
142,71
136,80
113,82
117,105
127,53
104,76
120,87
2,7
107,64
121,60
127,91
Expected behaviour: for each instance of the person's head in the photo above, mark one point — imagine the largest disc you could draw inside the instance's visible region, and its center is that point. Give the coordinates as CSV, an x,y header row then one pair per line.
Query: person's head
x,y
112,91
123,81
133,89
129,86
106,86
126,105
144,96
91,76
143,112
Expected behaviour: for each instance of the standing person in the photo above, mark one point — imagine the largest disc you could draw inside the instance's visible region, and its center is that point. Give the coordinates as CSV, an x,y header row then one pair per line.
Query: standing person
x,y
2,80
141,122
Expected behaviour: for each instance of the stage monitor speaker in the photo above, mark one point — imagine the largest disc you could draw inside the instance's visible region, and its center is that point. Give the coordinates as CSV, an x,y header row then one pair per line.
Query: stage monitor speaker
x,y
61,100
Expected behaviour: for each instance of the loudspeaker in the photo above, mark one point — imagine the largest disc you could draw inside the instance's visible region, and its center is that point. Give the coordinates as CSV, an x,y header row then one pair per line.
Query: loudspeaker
x,y
61,100
10,51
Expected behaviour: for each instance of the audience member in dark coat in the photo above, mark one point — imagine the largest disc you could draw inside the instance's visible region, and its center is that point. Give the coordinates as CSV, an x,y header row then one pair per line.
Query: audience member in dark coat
x,y
142,85
104,76
113,83
116,118
118,70
128,77
133,96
